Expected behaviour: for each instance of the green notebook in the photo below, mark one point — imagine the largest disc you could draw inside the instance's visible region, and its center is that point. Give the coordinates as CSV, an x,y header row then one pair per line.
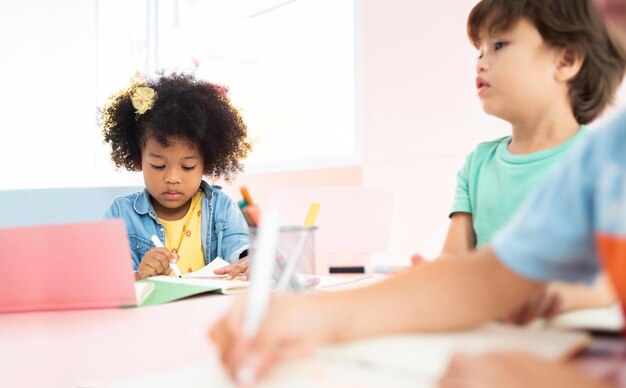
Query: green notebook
x,y
167,288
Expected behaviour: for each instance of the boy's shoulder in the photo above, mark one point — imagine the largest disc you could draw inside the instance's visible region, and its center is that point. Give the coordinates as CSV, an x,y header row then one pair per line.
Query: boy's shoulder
x,y
487,148
491,144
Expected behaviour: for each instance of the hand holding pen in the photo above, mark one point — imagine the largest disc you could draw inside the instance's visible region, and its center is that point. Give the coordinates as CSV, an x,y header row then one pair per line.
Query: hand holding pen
x,y
172,263
252,337
238,334
294,326
157,261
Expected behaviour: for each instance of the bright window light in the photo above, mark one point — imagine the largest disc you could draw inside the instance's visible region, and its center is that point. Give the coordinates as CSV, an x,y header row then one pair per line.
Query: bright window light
x,y
289,66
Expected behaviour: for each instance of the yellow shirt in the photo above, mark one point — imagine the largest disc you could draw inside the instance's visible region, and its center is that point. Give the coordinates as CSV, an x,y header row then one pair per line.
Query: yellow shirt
x,y
183,236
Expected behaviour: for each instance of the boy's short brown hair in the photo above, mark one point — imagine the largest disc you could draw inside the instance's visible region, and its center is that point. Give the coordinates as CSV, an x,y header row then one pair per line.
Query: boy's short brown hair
x,y
572,24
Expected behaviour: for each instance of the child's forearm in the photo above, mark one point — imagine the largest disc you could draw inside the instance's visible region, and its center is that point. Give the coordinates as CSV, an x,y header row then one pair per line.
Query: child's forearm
x,y
450,293
460,239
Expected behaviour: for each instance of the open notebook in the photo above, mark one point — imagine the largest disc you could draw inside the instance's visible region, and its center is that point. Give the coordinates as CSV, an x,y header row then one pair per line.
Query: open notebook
x,y
166,289
411,360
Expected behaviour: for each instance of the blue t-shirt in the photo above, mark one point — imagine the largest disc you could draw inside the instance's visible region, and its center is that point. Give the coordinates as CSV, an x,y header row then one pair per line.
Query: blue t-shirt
x,y
576,219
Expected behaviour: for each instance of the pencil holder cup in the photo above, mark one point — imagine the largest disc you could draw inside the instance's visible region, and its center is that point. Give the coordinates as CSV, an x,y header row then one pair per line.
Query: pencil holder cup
x,y
294,267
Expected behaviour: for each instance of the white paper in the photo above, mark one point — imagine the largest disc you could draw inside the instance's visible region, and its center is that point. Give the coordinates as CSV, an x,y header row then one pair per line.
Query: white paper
x,y
609,319
411,360
208,270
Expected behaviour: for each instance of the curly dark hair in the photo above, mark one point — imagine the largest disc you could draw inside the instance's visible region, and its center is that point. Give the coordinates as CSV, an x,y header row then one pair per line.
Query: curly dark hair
x,y
185,108
571,24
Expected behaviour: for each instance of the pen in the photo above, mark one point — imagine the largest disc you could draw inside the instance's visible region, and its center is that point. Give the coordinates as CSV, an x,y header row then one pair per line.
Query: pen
x,y
380,269
157,243
260,283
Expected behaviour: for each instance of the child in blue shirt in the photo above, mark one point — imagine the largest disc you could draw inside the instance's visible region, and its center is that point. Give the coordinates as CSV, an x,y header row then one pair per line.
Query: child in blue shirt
x,y
176,129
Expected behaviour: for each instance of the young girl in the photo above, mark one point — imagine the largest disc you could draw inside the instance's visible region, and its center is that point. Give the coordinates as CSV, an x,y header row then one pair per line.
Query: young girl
x,y
176,129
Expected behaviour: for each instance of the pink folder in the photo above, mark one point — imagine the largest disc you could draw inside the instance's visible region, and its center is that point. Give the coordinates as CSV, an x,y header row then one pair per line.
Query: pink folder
x,y
71,266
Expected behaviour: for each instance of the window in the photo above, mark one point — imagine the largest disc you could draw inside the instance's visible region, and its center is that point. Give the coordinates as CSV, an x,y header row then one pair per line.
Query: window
x,y
289,66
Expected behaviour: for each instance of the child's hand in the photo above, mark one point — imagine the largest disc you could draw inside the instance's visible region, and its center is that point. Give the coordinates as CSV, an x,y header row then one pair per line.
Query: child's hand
x,y
155,262
417,259
239,267
293,327
546,305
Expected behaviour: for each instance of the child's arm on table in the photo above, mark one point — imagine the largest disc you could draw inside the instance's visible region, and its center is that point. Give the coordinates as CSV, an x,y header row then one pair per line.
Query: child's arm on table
x,y
451,293
460,238
558,296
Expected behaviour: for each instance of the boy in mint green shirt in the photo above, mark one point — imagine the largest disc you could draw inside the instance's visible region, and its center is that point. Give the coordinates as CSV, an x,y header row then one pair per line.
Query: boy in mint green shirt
x,y
530,74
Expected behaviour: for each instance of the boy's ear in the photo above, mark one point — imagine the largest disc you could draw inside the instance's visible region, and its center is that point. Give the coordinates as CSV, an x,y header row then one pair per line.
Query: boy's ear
x,y
569,63
137,167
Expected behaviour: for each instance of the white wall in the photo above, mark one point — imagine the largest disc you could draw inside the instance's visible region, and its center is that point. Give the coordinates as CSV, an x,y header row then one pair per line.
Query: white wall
x,y
420,114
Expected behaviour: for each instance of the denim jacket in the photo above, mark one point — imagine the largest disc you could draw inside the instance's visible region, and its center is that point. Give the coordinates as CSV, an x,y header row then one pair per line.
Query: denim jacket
x,y
225,231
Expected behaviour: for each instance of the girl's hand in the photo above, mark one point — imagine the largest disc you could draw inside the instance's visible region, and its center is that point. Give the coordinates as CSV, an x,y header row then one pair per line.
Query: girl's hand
x,y
239,267
155,262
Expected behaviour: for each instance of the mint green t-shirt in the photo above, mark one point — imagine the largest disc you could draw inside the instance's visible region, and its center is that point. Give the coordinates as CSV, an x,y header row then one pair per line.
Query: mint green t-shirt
x,y
494,182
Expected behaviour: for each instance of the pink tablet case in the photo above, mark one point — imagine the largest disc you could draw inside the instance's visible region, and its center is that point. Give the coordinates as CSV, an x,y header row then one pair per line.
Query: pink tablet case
x,y
71,266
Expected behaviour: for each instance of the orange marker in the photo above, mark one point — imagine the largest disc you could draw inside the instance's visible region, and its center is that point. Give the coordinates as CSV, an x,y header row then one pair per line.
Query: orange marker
x,y
246,195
